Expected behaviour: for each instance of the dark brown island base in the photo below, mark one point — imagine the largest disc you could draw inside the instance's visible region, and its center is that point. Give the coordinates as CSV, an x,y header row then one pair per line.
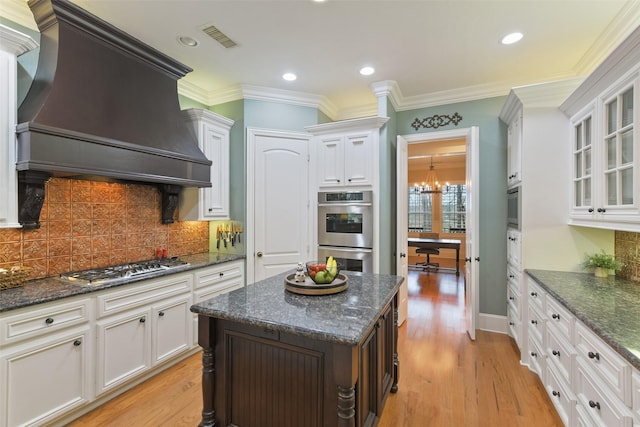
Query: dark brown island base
x,y
275,358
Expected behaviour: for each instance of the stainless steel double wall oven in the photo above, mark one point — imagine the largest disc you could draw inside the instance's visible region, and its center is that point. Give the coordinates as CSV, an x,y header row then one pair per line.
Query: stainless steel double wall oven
x,y
345,228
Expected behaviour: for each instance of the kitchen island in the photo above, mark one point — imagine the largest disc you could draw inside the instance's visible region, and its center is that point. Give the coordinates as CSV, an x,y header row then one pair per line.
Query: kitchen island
x,y
275,358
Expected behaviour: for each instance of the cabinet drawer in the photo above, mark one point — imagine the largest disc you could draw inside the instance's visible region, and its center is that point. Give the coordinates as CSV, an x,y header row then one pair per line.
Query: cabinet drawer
x,y
221,288
219,273
536,357
560,394
602,407
142,293
614,371
30,323
561,319
560,353
536,295
536,324
513,300
515,325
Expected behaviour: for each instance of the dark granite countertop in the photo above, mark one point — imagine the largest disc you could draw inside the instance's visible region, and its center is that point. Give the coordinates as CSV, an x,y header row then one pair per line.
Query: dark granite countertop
x,y
343,317
609,306
52,288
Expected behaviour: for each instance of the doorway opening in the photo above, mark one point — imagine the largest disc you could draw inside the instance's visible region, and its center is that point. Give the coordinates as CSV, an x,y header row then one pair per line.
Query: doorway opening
x,y
437,200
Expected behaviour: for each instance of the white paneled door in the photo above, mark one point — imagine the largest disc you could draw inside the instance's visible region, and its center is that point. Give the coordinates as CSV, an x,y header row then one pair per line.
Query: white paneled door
x,y
278,202
402,223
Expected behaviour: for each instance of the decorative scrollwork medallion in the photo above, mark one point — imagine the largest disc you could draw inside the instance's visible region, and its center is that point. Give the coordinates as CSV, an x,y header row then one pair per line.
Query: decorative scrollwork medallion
x,y
436,121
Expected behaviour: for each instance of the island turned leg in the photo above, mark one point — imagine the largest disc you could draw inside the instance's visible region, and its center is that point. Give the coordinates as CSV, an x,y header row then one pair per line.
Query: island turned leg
x,y
207,342
396,361
346,374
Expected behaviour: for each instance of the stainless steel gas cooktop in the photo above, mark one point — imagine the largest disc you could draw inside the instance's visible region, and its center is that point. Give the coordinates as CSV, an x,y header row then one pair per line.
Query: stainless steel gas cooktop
x,y
139,269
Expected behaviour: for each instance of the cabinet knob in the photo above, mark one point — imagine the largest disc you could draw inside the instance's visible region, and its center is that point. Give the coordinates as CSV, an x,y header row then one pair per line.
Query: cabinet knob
x,y
511,276
602,210
161,314
49,320
349,180
512,298
555,316
534,354
511,324
221,274
534,322
403,255
590,210
477,258
555,353
338,181
556,393
467,259
142,320
210,209
594,404
77,343
593,355
534,294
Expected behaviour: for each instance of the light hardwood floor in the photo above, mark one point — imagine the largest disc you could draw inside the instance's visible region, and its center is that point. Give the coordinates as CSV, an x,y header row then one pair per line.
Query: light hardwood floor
x,y
445,378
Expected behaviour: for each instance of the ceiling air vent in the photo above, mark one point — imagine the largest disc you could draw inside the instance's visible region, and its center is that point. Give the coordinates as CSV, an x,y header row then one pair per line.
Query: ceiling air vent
x,y
213,32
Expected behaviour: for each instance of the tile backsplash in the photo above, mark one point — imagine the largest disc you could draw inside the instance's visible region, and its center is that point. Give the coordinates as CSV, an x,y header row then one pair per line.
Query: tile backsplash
x,y
87,224
627,250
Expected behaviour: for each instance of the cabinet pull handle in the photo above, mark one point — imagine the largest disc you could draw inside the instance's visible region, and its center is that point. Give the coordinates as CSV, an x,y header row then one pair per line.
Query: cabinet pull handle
x,y
534,322
161,313
77,342
556,393
555,353
593,355
49,320
594,404
142,320
534,294
555,316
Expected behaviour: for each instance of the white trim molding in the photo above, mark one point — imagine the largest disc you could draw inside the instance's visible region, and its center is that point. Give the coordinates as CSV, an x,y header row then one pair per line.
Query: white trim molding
x,y
493,323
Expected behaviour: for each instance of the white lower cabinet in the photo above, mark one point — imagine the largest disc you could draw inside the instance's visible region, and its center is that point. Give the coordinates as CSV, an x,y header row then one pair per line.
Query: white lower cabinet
x,y
57,357
46,362
124,348
589,383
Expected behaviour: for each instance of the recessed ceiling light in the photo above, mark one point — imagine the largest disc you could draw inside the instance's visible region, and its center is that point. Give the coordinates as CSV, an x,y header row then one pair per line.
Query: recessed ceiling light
x,y
512,38
187,41
367,71
289,77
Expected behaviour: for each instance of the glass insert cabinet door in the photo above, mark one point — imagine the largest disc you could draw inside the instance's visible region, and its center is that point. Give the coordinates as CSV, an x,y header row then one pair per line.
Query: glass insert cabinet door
x,y
619,151
582,163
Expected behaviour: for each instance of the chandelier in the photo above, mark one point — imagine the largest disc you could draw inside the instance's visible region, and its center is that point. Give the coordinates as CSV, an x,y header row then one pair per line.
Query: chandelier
x,y
430,184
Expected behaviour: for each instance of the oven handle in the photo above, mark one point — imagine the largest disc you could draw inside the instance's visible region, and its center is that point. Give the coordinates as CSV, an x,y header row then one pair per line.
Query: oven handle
x,y
345,249
346,204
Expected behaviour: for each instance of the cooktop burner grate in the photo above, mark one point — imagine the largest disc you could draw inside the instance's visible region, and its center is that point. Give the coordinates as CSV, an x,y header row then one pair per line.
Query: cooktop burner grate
x,y
102,275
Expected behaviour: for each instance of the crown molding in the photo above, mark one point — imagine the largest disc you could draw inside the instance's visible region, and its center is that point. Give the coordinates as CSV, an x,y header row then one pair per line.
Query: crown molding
x,y
15,42
290,97
364,123
192,91
357,111
622,26
18,11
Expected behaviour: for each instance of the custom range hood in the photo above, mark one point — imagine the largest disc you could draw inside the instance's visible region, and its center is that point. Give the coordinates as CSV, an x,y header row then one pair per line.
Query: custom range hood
x,y
103,105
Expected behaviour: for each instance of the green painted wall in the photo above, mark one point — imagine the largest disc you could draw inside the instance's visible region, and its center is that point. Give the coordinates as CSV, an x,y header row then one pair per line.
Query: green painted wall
x,y
27,62
493,169
388,199
277,115
189,103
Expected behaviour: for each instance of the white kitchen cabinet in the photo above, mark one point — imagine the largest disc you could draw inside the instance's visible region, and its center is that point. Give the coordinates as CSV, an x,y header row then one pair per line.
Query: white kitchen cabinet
x,y
514,149
12,45
605,118
514,249
209,203
216,280
132,335
46,362
635,390
561,395
347,152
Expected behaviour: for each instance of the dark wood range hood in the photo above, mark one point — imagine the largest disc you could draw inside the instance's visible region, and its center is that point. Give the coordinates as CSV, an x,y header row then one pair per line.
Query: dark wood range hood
x,y
103,105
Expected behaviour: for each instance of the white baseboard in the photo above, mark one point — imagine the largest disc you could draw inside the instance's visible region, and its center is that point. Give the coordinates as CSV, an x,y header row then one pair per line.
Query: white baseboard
x,y
493,323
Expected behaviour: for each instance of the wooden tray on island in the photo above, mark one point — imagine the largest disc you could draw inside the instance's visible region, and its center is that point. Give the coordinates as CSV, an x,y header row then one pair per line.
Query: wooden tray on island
x,y
309,287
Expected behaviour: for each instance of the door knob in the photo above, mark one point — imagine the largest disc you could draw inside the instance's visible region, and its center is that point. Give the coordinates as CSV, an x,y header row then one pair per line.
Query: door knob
x,y
259,254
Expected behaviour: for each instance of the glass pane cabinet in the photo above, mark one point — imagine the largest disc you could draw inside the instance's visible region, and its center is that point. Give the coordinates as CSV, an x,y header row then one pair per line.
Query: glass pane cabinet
x,y
605,178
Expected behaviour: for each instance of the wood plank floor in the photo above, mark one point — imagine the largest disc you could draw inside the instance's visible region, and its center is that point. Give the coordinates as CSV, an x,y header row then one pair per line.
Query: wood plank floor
x,y
445,378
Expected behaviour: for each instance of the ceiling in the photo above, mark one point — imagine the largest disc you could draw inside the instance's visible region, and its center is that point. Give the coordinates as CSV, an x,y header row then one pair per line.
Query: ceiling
x,y
424,52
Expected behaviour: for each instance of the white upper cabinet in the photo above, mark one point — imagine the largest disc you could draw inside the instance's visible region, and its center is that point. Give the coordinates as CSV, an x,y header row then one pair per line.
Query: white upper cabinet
x,y
605,117
514,150
210,203
12,45
347,152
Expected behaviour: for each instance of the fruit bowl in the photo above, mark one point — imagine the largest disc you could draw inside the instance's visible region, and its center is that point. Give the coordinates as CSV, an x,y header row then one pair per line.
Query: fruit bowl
x,y
321,272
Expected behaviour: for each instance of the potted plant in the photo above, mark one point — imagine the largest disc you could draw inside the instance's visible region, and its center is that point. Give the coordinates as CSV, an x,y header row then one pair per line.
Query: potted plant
x,y
602,263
